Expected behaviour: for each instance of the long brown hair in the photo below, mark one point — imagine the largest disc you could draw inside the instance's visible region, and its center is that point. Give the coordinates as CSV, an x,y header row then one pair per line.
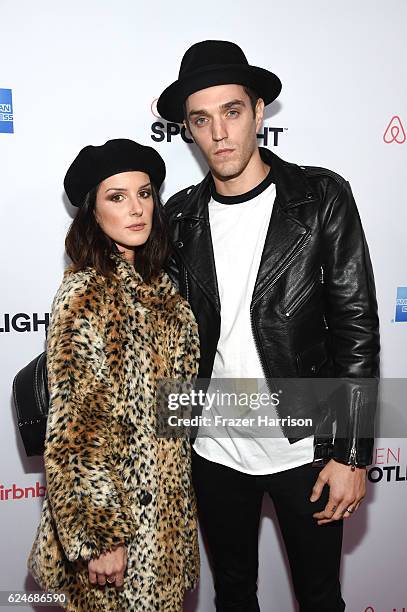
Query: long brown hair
x,y
88,246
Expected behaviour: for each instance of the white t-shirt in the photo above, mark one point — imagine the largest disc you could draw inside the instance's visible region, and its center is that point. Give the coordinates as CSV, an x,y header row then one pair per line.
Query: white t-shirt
x,y
239,226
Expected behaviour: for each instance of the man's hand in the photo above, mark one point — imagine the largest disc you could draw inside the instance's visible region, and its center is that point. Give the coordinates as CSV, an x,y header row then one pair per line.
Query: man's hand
x,y
347,488
109,567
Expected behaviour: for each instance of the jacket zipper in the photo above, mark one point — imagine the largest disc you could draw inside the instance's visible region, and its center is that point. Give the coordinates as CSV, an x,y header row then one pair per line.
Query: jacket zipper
x,y
254,331
352,456
286,265
292,308
186,284
322,281
262,361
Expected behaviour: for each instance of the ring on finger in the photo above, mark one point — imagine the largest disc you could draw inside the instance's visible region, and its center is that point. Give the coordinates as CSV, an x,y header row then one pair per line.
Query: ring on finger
x,y
111,579
350,510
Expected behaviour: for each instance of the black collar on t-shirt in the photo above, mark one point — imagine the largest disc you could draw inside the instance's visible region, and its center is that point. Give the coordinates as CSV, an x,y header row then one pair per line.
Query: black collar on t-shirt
x,y
243,197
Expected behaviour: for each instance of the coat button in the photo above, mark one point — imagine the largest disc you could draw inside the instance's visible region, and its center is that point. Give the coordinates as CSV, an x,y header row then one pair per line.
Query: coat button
x,y
146,498
179,244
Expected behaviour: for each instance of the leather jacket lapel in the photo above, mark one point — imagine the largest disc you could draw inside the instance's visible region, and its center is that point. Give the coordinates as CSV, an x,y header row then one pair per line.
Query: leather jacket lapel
x,y
286,237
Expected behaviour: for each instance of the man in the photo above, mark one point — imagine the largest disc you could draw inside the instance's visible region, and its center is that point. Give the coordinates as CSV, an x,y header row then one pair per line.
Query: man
x,y
273,259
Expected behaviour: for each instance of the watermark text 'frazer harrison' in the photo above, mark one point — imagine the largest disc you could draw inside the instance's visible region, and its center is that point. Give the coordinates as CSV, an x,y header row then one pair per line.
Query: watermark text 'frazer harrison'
x,y
245,422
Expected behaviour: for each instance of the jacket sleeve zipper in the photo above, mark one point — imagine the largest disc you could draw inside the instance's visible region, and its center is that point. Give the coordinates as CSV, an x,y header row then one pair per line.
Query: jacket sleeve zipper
x,y
356,403
321,276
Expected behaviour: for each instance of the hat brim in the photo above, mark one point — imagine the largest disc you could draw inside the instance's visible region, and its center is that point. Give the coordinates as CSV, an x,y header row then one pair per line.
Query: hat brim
x,y
170,104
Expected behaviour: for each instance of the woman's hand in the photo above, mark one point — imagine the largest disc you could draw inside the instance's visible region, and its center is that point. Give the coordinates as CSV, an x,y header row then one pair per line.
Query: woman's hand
x,y
109,567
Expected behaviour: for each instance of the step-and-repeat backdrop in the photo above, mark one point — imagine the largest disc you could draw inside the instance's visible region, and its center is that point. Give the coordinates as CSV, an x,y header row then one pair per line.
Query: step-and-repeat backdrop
x,y
76,73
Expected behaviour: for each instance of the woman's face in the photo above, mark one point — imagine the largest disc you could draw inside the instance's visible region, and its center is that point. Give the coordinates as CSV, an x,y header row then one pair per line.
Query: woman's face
x,y
124,210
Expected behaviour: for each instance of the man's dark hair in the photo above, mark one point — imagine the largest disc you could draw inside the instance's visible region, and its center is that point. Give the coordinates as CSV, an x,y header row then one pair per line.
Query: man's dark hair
x,y
253,97
87,245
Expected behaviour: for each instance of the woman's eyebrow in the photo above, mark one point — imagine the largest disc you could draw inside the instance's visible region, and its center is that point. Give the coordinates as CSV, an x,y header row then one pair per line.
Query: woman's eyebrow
x,y
125,189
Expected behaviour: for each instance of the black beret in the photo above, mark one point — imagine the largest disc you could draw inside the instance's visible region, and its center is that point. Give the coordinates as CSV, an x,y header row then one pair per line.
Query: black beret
x,y
95,164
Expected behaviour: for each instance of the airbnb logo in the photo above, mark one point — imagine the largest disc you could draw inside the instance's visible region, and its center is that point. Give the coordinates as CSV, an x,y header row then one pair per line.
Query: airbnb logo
x,y
395,131
15,492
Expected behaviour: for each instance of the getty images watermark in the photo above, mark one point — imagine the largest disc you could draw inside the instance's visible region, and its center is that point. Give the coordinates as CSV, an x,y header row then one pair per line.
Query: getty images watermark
x,y
214,403
229,408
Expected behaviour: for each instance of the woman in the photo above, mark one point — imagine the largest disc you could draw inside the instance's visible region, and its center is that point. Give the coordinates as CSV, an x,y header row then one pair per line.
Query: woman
x,y
117,530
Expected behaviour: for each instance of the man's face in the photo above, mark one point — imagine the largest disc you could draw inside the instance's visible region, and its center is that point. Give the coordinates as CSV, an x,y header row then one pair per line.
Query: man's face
x,y
222,123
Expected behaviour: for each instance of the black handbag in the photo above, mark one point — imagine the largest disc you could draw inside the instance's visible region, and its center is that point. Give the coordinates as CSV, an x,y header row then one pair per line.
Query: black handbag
x,y
31,399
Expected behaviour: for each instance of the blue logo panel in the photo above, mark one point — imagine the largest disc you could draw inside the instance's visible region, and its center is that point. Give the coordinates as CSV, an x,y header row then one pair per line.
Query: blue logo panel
x,y
6,112
401,304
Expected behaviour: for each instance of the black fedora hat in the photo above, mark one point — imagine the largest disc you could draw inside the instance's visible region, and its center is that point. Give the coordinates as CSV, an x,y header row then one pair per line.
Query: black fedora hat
x,y
214,62
94,164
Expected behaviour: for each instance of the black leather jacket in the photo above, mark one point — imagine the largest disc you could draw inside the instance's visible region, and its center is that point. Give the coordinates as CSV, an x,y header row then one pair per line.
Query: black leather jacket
x,y
313,309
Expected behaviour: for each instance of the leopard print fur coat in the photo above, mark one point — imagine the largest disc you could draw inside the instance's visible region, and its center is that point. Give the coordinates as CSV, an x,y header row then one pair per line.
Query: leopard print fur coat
x,y
110,479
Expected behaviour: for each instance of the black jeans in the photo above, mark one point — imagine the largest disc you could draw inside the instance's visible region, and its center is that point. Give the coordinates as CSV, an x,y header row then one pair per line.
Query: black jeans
x,y
229,505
